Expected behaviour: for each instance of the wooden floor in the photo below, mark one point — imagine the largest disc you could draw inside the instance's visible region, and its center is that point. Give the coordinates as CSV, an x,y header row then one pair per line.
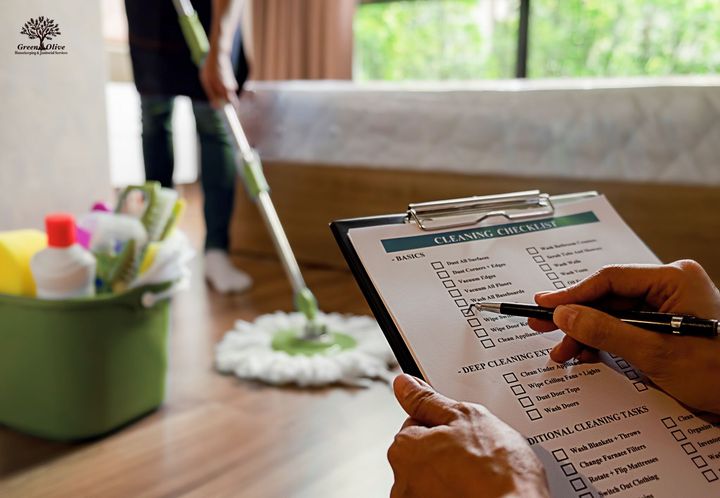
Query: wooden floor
x,y
215,435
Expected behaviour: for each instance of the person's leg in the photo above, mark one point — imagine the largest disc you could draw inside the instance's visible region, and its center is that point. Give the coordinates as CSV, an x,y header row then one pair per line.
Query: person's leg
x,y
217,173
157,138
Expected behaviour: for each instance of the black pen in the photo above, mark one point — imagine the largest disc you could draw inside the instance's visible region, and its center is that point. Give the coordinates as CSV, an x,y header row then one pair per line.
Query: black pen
x,y
665,323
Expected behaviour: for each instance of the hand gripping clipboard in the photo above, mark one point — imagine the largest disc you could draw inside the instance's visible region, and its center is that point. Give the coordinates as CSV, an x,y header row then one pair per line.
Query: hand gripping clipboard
x,y
439,215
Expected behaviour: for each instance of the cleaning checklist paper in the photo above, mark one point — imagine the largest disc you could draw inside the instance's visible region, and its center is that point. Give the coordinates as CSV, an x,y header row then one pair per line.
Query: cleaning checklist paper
x,y
600,429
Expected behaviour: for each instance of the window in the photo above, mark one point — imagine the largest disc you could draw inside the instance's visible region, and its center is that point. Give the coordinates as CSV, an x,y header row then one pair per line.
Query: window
x,y
485,39
435,40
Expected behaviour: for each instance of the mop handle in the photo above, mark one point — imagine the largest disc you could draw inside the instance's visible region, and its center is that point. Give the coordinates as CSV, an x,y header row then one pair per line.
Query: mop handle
x,y
249,167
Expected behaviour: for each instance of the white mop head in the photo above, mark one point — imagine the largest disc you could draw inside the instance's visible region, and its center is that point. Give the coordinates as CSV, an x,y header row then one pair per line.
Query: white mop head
x,y
247,352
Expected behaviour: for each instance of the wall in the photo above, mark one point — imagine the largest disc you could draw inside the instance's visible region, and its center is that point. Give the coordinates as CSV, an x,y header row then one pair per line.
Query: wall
x,y
53,134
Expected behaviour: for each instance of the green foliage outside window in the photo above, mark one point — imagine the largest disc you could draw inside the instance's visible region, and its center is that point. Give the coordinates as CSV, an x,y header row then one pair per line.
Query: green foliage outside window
x,y
477,39
431,40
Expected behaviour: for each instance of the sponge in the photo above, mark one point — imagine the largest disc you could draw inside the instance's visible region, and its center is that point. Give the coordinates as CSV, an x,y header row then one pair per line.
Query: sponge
x,y
16,250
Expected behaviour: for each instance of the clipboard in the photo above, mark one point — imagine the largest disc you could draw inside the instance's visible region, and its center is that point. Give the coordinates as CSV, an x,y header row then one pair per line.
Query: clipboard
x,y
440,215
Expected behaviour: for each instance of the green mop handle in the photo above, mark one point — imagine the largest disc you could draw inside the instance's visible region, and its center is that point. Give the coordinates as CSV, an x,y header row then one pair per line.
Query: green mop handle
x,y
251,171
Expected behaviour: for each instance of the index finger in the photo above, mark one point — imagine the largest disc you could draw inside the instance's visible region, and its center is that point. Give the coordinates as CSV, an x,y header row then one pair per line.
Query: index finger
x,y
621,280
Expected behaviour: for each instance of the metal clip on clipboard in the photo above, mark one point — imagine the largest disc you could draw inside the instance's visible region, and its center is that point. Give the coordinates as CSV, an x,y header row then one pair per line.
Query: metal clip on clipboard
x,y
452,213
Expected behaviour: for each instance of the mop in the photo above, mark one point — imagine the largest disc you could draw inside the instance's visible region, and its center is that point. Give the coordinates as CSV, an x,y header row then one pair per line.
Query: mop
x,y
307,347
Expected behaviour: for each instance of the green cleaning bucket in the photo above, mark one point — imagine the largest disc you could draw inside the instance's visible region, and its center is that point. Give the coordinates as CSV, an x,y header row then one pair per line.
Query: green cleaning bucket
x,y
80,368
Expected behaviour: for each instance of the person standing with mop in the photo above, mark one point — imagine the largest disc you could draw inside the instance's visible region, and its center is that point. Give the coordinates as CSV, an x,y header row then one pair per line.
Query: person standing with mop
x,y
163,69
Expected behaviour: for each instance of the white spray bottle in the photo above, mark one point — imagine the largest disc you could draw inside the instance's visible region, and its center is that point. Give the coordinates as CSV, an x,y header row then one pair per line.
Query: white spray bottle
x,y
64,270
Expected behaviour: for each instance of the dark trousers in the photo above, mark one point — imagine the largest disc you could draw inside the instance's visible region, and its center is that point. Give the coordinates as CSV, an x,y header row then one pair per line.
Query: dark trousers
x,y
217,163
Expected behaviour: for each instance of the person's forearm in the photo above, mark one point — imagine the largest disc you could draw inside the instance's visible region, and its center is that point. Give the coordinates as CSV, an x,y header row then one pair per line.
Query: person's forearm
x,y
224,24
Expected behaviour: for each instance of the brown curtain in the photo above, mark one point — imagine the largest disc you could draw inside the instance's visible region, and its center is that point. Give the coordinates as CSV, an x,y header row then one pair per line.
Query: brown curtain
x,y
301,39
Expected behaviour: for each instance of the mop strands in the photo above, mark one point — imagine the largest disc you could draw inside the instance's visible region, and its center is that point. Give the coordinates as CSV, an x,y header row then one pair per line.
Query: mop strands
x,y
270,350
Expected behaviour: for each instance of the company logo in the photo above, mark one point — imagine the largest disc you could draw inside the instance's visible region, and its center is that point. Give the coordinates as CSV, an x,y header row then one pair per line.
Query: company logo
x,y
41,29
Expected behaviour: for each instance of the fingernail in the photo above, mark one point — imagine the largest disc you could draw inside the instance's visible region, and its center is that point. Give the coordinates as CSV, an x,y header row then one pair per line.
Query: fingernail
x,y
541,294
564,317
404,384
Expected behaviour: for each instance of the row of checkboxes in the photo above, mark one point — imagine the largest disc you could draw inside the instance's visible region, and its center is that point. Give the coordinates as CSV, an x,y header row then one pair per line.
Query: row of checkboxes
x,y
539,259
462,304
630,373
524,400
443,275
689,449
451,287
568,468
481,333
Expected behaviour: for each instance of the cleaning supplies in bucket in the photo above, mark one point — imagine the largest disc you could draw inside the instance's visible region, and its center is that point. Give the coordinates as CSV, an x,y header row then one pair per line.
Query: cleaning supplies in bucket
x,y
64,269
100,231
74,365
105,252
16,249
163,255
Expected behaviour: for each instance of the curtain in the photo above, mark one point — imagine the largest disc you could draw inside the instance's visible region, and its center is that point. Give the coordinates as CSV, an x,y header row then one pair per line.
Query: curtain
x,y
301,39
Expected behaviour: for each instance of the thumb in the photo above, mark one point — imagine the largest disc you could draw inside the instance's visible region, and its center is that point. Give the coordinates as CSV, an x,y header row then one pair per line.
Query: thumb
x,y
602,331
422,402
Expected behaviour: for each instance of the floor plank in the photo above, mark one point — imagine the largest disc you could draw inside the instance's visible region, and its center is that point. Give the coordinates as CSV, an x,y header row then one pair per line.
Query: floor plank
x,y
216,435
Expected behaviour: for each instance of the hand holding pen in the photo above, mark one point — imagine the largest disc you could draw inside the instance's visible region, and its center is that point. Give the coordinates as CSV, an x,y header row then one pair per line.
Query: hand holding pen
x,y
687,368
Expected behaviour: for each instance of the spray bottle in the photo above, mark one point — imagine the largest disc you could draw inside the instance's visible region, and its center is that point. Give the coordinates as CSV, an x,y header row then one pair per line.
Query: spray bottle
x,y
64,270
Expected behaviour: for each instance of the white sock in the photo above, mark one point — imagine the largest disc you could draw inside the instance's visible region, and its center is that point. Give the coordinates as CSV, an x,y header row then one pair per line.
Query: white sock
x,y
222,275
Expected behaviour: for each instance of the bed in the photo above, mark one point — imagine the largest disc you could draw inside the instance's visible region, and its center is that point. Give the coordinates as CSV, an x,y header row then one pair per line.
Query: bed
x,y
340,149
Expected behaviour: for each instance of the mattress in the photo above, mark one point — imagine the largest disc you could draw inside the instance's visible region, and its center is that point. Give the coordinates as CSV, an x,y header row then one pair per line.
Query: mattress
x,y
659,130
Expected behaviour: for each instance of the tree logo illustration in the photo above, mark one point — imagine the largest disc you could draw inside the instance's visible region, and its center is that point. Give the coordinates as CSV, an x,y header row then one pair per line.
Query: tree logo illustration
x,y
41,29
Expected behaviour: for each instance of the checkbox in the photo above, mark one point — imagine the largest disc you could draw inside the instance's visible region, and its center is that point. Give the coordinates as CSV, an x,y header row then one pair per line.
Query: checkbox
x,y
640,386
518,390
568,469
468,312
699,462
560,455
632,374
613,356
474,322
487,343
689,448
480,333
559,285
668,422
578,484
461,303
545,267
443,274
552,276
534,414
679,435
510,377
532,250
526,402
538,259
586,495
437,265
710,475
622,364
454,293
449,284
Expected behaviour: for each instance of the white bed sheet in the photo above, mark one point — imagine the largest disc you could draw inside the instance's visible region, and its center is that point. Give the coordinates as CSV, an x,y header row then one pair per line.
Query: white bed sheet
x,y
662,130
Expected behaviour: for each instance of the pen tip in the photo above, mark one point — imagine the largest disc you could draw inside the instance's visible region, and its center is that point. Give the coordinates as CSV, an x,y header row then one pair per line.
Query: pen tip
x,y
488,306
